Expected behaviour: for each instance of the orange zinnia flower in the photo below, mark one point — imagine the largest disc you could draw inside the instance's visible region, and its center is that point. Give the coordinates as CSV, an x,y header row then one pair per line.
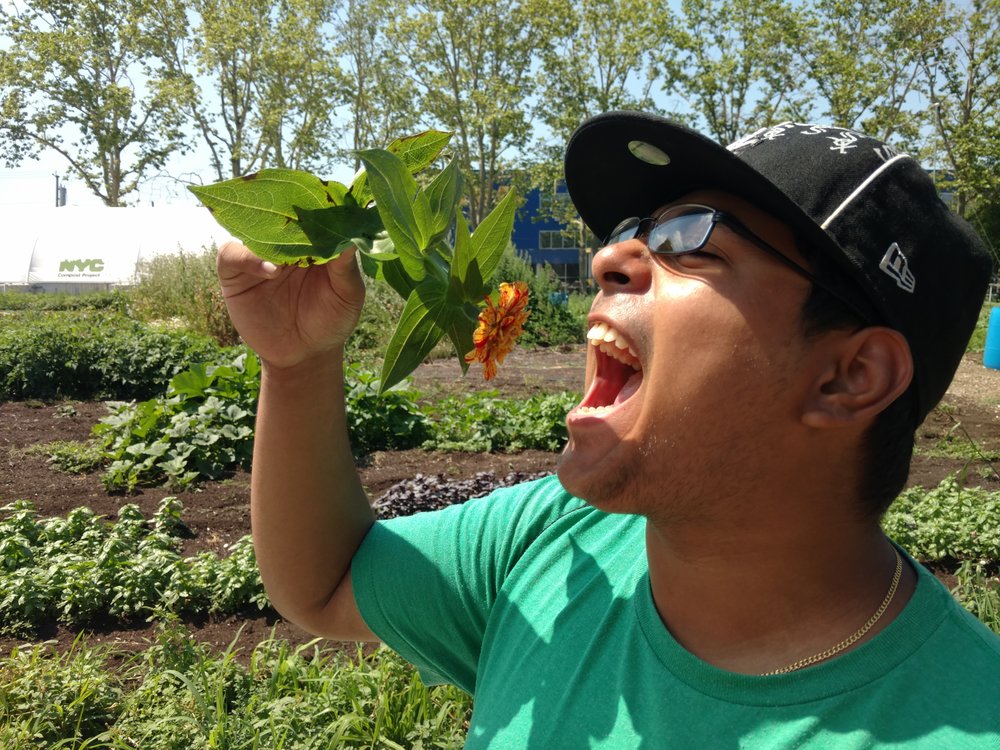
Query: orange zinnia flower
x,y
499,326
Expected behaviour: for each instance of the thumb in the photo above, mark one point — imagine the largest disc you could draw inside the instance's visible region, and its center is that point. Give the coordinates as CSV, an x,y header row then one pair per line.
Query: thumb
x,y
345,268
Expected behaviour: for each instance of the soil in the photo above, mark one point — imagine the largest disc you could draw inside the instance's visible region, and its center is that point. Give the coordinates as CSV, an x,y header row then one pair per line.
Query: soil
x,y
217,513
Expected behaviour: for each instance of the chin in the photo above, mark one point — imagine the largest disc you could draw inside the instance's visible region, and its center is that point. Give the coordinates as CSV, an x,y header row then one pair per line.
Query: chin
x,y
607,491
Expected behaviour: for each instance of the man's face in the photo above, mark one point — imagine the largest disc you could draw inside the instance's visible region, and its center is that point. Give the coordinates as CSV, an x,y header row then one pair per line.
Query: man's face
x,y
698,377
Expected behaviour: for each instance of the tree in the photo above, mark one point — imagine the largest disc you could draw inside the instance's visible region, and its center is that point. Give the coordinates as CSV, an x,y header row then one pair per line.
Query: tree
x,y
472,61
261,82
375,84
599,60
70,81
862,59
962,75
732,62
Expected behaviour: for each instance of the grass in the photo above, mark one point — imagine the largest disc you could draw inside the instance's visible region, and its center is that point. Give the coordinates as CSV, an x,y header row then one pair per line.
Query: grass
x,y
177,694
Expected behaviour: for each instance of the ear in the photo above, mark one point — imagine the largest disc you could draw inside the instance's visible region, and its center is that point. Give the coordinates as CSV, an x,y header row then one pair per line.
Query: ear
x,y
865,372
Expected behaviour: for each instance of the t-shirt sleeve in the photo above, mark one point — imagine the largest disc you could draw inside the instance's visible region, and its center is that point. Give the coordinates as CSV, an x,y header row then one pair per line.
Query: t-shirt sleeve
x,y
425,584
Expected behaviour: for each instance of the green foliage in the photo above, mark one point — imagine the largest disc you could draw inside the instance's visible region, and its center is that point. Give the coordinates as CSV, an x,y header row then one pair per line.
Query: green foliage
x,y
262,81
402,229
179,695
183,287
91,356
79,569
390,421
72,456
51,301
49,698
55,97
483,421
201,428
978,590
947,522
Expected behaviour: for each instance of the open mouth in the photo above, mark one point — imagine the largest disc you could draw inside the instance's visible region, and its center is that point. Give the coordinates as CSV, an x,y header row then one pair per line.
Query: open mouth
x,y
617,375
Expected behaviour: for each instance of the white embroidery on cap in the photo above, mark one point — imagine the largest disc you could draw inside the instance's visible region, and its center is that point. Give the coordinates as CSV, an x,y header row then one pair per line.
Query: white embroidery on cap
x,y
894,264
764,134
844,141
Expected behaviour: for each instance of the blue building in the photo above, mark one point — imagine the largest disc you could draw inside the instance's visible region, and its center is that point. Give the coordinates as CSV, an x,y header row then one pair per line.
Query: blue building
x,y
545,240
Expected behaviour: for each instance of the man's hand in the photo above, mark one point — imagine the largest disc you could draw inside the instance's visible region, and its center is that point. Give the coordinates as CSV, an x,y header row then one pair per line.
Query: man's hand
x,y
289,314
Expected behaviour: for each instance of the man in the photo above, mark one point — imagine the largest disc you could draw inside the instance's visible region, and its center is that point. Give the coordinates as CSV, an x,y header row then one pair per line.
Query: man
x,y
707,570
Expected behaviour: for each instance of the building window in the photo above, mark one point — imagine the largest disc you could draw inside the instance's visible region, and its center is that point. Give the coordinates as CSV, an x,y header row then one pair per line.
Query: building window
x,y
555,239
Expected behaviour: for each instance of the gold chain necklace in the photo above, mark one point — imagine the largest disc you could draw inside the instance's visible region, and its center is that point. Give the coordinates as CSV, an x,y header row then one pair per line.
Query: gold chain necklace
x,y
857,635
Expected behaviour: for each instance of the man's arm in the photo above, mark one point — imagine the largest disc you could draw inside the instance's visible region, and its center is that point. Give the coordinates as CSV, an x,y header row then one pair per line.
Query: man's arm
x,y
309,512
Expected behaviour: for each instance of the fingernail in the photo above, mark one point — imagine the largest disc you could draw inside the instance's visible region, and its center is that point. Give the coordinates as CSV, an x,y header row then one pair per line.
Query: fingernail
x,y
268,267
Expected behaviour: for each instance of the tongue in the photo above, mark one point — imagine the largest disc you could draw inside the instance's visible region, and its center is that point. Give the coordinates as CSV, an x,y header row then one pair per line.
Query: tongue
x,y
630,387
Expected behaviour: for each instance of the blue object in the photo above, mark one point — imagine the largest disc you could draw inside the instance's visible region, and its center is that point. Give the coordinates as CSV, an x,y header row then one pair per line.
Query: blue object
x,y
991,353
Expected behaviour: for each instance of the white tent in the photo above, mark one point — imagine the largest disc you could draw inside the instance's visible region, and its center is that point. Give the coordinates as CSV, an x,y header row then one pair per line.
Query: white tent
x,y
80,248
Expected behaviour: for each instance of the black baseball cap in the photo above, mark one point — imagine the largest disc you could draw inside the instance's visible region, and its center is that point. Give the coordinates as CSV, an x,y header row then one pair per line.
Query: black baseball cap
x,y
909,262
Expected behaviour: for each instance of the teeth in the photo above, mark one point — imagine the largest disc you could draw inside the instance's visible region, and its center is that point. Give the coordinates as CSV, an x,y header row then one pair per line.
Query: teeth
x,y
593,409
609,341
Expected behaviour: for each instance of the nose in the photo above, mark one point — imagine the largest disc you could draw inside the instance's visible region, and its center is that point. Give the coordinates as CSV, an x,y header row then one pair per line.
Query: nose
x,y
623,267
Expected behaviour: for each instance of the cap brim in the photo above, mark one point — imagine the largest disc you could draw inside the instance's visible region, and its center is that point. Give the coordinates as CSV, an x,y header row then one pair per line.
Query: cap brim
x,y
608,182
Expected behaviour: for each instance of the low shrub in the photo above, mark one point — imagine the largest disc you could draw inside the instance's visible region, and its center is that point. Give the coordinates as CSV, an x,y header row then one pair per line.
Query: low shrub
x,y
483,421
80,569
90,356
202,427
51,301
947,522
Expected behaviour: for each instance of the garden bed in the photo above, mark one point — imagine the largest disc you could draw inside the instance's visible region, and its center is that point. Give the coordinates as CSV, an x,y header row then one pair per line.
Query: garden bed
x,y
962,434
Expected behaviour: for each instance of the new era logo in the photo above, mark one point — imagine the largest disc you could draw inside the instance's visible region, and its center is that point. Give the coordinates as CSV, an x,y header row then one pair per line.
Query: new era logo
x,y
894,264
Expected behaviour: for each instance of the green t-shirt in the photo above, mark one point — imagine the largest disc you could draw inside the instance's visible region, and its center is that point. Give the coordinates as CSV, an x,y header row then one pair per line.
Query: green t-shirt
x,y
539,605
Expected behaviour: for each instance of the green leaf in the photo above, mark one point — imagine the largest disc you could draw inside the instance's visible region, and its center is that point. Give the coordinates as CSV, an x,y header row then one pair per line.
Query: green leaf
x,y
493,235
393,273
461,326
262,210
424,321
379,248
397,199
417,152
443,195
334,229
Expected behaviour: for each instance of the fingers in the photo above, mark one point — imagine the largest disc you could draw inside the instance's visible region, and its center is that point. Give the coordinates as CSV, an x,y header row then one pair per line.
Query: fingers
x,y
234,259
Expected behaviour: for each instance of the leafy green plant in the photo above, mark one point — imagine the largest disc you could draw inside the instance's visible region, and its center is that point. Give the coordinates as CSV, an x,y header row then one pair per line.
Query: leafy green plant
x,y
201,428
414,238
183,287
81,568
49,301
72,456
382,420
947,522
483,421
91,356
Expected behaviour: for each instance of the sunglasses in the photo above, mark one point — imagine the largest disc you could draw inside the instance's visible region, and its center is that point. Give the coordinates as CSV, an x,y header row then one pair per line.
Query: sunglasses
x,y
687,229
